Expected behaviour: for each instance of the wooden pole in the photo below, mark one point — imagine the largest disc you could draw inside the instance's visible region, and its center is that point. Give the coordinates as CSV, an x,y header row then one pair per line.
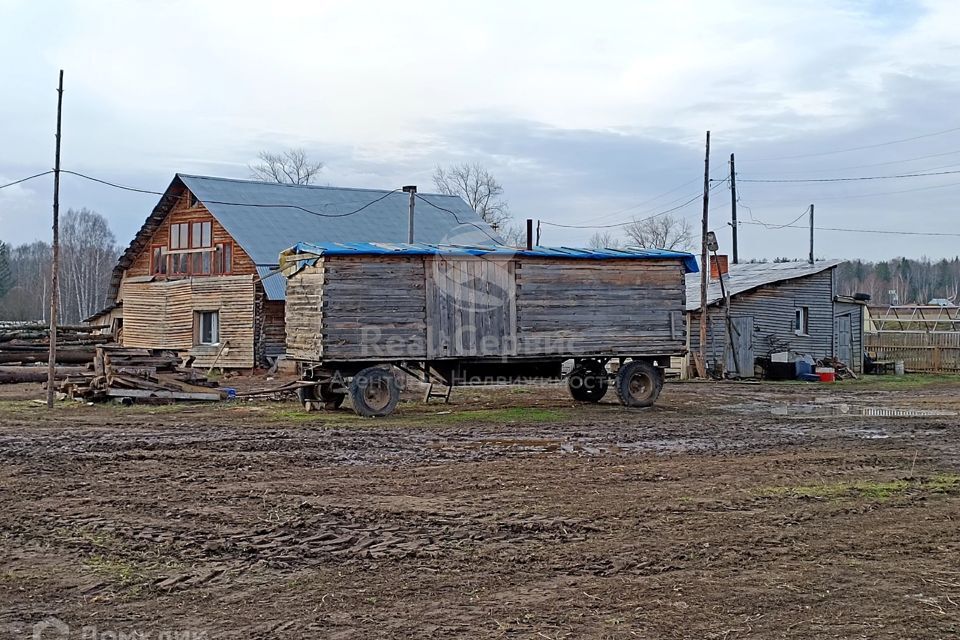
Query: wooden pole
x,y
529,234
538,233
704,259
412,190
733,208
811,234
55,267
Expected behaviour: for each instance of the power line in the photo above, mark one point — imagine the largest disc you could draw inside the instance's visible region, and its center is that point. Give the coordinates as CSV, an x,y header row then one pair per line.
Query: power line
x,y
459,221
640,204
877,164
868,195
628,222
890,177
240,204
876,231
36,175
777,226
869,146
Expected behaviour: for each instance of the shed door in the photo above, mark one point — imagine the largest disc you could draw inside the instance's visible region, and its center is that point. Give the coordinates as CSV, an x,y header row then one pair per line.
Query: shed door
x,y
740,357
844,340
471,307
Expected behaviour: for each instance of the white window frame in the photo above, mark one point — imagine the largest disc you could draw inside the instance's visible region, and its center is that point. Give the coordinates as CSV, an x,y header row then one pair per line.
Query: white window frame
x,y
801,321
214,315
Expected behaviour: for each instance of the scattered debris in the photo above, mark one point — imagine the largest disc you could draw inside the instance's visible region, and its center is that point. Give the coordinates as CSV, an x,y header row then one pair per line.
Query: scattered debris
x,y
120,372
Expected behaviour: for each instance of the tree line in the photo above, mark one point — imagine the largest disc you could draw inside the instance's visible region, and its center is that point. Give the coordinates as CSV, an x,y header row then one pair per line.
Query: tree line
x,y
88,253
902,280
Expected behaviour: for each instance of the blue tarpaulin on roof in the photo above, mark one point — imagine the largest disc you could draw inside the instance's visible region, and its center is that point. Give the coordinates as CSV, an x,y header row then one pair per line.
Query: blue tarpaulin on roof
x,y
421,249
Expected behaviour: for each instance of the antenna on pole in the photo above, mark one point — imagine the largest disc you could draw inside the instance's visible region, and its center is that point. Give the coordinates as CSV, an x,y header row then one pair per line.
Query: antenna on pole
x,y
55,267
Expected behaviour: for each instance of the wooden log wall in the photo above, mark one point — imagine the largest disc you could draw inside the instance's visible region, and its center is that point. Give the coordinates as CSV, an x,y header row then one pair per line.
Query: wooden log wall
x,y
600,307
160,315
390,307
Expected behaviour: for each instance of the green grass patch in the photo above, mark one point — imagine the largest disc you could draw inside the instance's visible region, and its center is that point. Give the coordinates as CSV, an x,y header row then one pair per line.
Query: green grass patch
x,y
121,572
872,490
909,381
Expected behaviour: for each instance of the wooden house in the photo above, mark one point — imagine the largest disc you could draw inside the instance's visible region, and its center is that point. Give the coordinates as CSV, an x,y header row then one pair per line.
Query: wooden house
x,y
789,307
200,276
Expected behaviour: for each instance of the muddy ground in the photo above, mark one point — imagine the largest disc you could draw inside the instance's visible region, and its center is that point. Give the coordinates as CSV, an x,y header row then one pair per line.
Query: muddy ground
x,y
727,511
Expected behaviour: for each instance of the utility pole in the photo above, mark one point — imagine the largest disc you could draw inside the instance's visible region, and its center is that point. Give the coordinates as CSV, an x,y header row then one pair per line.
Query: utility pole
x,y
733,207
55,268
529,234
412,190
811,234
704,267
538,232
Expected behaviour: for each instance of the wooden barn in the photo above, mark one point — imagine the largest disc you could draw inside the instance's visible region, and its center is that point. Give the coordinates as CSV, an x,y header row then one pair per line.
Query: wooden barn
x,y
200,276
774,308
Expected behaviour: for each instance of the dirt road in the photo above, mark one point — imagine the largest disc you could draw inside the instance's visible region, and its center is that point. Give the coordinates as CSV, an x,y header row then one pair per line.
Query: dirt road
x,y
727,511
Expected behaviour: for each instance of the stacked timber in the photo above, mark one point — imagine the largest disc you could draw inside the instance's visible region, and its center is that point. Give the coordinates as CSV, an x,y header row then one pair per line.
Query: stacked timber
x,y
24,346
119,372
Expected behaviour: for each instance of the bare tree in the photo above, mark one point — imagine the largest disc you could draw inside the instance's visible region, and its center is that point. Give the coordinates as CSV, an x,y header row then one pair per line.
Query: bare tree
x,y
89,252
478,187
604,240
292,166
662,232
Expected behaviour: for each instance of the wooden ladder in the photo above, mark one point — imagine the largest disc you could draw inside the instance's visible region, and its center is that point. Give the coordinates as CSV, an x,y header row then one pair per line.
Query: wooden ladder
x,y
445,394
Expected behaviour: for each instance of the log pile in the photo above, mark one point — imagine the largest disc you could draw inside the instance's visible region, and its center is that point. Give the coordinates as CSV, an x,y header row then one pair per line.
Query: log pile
x,y
139,374
24,346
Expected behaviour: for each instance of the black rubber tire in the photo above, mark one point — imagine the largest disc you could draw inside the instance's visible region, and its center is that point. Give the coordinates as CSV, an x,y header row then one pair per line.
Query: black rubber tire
x,y
320,394
374,392
638,384
587,384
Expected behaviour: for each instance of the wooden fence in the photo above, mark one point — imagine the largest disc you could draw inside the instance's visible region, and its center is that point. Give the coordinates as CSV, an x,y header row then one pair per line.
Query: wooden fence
x,y
921,351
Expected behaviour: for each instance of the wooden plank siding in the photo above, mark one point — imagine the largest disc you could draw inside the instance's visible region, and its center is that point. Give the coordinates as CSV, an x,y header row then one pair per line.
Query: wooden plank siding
x,y
772,308
606,307
183,212
395,307
161,315
855,311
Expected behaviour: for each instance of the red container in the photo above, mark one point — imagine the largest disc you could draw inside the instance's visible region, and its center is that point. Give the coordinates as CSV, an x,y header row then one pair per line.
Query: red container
x,y
827,374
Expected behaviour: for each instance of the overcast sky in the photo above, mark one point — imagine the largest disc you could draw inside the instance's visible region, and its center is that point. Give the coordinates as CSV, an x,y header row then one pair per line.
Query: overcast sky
x,y
587,113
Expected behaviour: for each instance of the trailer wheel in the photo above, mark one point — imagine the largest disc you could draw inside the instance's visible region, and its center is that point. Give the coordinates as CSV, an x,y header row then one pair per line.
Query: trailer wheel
x,y
587,384
320,394
374,392
638,384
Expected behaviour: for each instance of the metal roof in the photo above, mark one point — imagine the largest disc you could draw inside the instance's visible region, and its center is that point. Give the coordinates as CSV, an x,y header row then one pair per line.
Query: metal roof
x,y
265,218
426,249
274,284
747,277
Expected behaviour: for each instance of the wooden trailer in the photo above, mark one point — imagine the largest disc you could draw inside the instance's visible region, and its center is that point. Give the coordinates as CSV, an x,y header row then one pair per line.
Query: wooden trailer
x,y
460,315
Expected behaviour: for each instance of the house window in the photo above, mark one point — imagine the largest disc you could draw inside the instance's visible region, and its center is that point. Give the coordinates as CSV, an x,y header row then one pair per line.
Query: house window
x,y
801,321
192,251
158,260
207,327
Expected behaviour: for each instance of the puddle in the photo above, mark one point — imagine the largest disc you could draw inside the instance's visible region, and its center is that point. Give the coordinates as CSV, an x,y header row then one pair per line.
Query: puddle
x,y
820,409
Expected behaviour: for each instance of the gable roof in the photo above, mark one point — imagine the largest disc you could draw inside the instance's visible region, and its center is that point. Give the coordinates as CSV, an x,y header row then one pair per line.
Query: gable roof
x,y
264,218
743,278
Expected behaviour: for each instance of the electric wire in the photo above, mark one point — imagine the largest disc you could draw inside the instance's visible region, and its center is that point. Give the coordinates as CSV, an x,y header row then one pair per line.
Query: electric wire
x,y
875,231
629,222
852,179
860,148
36,175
